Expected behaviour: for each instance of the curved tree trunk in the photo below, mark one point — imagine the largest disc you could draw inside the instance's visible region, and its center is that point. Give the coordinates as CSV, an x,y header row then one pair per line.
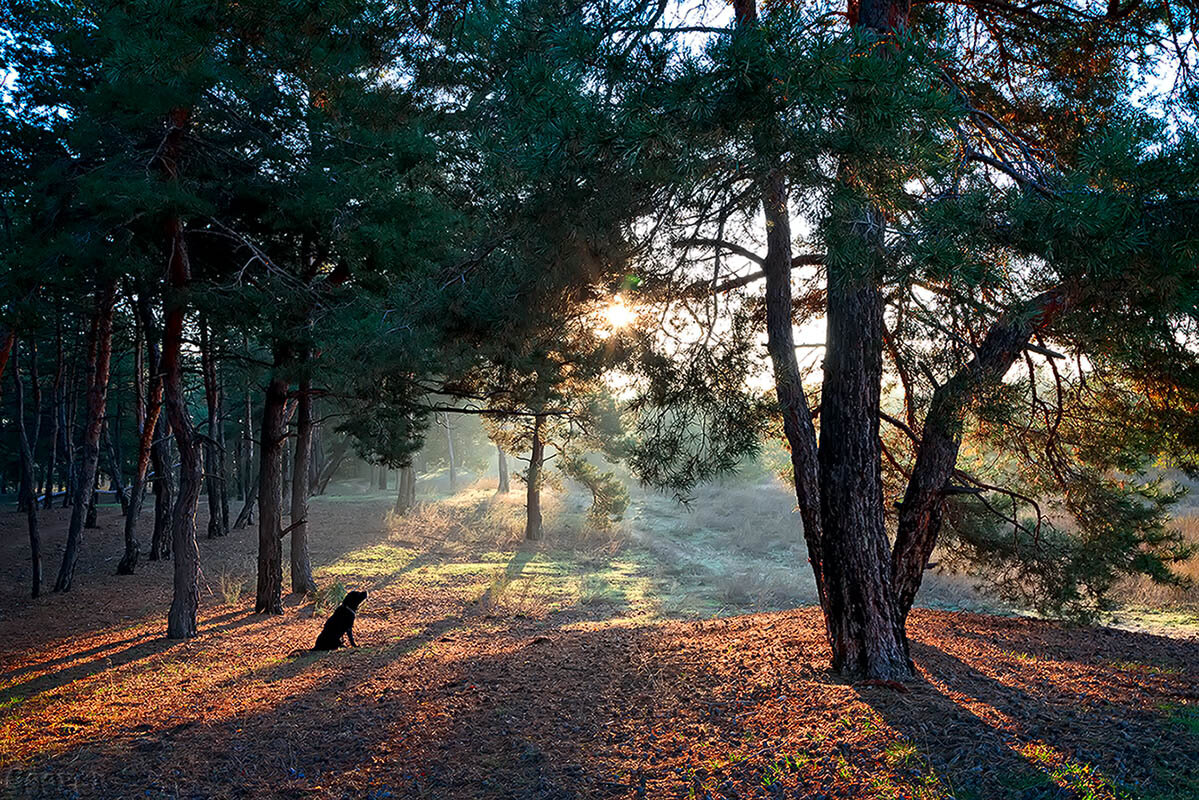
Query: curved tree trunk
x,y
301,565
798,428
246,515
923,505
533,530
185,601
326,473
99,359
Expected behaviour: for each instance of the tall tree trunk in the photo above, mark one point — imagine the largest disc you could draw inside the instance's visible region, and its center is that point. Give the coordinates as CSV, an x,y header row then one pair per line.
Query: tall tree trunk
x,y
862,607
837,478
383,477
860,604
99,359
249,478
55,410
533,530
788,381
185,602
269,598
164,489
301,566
406,495
35,539
149,410
214,445
505,485
449,441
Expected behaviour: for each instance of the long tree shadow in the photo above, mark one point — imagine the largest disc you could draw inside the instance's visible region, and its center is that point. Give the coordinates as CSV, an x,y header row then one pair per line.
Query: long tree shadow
x,y
993,738
56,680
147,645
1090,646
73,656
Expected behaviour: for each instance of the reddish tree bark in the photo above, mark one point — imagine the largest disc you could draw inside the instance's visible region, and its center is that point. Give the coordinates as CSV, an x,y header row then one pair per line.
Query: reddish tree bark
x,y
149,409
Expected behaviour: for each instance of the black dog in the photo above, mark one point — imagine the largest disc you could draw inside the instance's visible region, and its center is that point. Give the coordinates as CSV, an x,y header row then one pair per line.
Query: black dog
x,y
340,623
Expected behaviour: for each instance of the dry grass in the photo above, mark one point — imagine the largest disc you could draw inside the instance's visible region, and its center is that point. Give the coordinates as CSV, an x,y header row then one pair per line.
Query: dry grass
x,y
738,547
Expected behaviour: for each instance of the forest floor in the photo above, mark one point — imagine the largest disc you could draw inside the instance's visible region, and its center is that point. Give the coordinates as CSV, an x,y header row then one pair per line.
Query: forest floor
x,y
589,666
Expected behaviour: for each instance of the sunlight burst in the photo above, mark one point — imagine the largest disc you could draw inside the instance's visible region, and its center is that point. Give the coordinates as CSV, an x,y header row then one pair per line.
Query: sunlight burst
x,y
618,315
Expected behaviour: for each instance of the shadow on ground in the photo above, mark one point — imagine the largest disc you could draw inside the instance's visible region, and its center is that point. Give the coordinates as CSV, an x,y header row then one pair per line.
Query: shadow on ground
x,y
732,708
